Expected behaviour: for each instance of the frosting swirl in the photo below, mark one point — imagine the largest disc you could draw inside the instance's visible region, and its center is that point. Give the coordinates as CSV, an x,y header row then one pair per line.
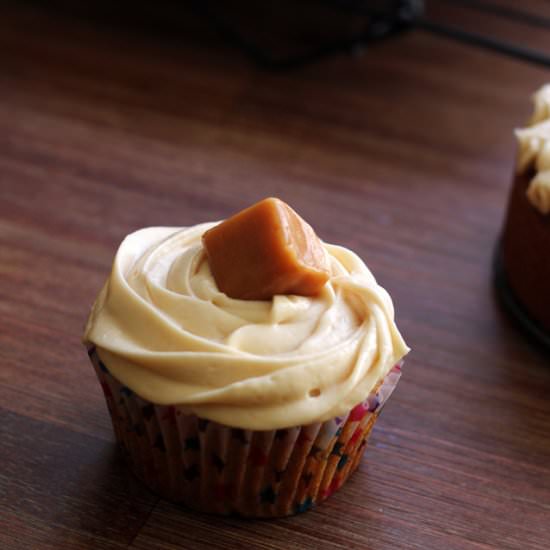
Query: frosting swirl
x,y
534,151
165,330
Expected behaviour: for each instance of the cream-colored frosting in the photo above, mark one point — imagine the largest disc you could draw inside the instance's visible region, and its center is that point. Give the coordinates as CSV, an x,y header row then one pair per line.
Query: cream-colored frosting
x,y
538,192
541,101
534,151
164,329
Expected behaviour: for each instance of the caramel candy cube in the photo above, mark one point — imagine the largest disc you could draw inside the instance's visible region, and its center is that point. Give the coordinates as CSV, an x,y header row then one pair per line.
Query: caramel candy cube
x,y
264,250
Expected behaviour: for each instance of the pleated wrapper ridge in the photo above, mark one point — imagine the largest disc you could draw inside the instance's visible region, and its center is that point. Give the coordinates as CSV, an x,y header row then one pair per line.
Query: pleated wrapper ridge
x,y
219,469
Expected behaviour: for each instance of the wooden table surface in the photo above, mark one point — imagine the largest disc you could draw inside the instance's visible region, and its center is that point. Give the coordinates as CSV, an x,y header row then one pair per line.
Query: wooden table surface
x,y
403,154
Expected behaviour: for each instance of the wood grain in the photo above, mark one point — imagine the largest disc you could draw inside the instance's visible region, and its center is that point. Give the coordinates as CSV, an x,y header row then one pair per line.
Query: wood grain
x,y
404,155
497,20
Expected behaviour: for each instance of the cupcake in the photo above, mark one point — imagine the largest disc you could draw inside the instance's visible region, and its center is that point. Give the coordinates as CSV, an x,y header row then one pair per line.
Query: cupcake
x,y
244,363
526,237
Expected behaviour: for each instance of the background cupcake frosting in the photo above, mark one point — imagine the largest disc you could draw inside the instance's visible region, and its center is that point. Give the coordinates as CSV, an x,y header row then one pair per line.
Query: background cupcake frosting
x,y
168,333
534,151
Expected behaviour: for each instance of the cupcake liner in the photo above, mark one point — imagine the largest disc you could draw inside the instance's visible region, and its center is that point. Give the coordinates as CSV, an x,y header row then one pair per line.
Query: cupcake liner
x,y
219,469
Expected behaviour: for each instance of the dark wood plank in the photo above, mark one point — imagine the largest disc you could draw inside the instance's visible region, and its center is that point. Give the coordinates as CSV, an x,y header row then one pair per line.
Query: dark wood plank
x,y
505,21
404,155
64,488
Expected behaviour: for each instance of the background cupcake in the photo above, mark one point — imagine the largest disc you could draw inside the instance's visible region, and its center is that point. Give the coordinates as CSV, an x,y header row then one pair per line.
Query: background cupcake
x,y
526,236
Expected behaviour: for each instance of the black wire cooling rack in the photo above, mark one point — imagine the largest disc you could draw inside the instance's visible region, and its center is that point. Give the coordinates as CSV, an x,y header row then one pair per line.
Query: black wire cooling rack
x,y
374,20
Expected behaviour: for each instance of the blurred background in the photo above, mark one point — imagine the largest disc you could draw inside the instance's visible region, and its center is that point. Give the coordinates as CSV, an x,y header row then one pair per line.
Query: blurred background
x,y
285,34
388,125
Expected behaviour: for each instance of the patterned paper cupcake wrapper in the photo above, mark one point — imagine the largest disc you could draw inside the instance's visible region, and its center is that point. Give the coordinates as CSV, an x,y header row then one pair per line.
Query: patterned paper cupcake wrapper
x,y
215,468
